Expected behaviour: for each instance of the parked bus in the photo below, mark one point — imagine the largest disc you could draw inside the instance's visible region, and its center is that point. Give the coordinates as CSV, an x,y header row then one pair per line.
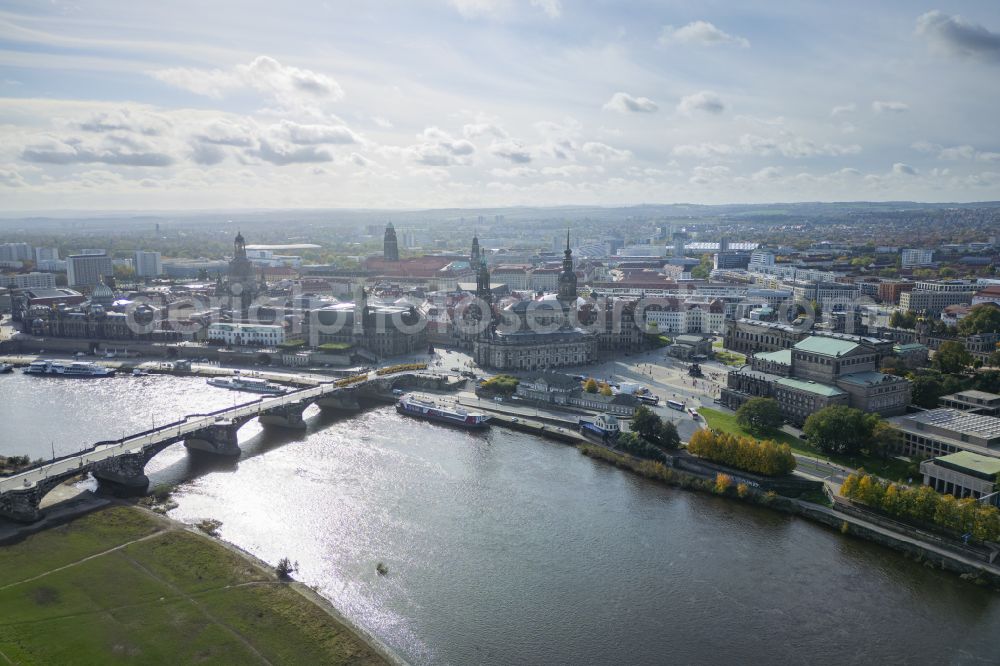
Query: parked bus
x,y
673,404
648,398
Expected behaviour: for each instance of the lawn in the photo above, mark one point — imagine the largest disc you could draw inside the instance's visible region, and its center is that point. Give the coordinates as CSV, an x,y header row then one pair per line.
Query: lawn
x,y
730,358
893,468
175,597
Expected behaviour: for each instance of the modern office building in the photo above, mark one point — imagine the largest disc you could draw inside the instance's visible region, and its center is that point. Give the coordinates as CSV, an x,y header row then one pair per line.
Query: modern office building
x,y
912,258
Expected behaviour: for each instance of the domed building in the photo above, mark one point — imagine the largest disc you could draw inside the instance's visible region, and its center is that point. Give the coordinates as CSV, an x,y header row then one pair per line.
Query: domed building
x,y
102,295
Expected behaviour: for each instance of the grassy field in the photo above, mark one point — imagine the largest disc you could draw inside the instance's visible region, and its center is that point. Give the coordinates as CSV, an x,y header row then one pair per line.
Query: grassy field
x,y
119,586
894,469
730,358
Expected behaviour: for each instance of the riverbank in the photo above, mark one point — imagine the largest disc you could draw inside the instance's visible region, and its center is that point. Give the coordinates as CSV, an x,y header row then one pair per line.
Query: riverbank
x,y
124,584
969,568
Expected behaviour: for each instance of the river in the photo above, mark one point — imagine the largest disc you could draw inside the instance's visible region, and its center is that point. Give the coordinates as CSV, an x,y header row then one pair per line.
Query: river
x,y
505,548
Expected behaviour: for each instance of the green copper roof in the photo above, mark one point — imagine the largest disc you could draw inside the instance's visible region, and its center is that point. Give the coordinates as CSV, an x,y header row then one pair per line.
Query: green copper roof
x,y
810,387
973,461
783,356
815,344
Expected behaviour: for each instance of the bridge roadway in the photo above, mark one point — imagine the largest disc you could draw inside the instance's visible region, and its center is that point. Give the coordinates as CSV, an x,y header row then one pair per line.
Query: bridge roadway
x,y
171,431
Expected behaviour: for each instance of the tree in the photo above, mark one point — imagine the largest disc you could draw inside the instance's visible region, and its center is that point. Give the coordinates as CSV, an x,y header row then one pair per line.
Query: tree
x,y
605,390
903,319
994,359
982,318
645,423
722,483
285,568
759,415
590,386
839,429
952,357
884,439
704,267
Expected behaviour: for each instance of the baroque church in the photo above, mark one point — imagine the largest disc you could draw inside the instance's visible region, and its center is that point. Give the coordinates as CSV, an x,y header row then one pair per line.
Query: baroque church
x,y
242,285
532,334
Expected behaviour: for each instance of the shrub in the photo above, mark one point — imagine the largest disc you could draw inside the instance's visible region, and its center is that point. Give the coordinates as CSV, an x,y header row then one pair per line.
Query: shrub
x,y
285,568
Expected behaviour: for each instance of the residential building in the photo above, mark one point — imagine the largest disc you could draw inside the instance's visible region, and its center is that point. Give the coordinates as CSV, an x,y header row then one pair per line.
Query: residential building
x,y
990,294
933,301
46,254
761,258
16,252
29,281
147,264
911,257
87,270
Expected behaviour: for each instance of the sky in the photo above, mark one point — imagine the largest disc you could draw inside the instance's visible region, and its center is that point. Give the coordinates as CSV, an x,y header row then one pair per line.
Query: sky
x,y
219,104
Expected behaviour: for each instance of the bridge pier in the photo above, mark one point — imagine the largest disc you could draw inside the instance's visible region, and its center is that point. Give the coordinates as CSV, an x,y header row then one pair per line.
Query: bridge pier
x,y
343,401
124,475
285,416
22,505
218,438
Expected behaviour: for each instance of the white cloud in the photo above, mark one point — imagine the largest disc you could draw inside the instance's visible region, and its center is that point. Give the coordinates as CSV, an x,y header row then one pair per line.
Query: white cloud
x,y
701,33
476,130
843,109
113,148
903,169
889,107
605,152
956,36
625,103
511,151
316,134
290,87
705,101
552,8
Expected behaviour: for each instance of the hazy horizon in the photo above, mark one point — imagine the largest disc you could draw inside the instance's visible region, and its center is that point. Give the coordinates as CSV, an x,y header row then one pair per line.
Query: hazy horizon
x,y
441,104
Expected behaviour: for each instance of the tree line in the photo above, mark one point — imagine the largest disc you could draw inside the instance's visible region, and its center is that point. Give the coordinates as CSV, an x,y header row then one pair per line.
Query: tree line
x,y
765,457
924,505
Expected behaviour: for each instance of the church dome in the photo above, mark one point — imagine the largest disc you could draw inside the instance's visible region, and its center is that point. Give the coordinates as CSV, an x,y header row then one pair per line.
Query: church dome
x,y
102,294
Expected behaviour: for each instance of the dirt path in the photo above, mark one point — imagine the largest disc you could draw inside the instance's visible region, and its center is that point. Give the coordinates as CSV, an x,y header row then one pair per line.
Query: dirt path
x,y
84,559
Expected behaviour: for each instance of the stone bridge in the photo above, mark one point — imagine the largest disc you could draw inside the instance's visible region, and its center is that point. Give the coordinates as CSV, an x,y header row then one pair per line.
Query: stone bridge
x,y
118,465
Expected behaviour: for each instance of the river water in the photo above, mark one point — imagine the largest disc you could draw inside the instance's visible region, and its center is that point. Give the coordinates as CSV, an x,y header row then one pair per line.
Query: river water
x,y
505,548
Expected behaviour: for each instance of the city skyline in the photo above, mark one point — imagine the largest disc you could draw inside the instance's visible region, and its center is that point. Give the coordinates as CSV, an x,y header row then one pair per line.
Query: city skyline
x,y
492,102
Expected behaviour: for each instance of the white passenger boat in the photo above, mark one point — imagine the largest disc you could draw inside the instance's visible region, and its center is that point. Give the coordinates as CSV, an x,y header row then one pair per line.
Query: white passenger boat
x,y
71,369
251,384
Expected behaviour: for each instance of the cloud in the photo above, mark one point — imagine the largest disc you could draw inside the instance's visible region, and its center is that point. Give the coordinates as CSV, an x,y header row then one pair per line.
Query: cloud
x,y
495,8
704,175
963,152
705,101
552,8
843,108
126,120
475,130
956,36
890,107
784,143
206,153
605,152
317,134
360,160
767,173
511,151
282,154
116,150
384,123
440,149
903,169
700,33
625,103
225,132
291,87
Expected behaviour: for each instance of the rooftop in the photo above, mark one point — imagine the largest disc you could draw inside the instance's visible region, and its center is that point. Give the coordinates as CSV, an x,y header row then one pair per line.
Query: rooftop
x,y
782,356
809,387
825,346
869,378
971,461
987,427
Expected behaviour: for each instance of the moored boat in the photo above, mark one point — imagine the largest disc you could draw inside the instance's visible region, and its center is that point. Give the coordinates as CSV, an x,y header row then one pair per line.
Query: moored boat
x,y
250,384
432,411
71,369
5,367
